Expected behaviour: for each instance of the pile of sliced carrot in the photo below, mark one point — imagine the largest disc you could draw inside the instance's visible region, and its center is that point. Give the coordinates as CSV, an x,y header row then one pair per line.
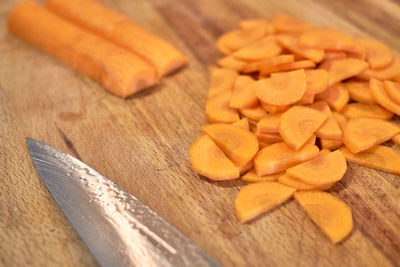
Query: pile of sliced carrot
x,y
288,107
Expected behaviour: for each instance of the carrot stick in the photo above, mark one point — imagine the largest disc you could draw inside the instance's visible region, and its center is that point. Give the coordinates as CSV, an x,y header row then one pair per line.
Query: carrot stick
x,y
298,124
120,30
382,98
252,177
269,63
255,113
243,96
388,73
259,50
222,80
207,159
328,212
229,62
287,24
118,70
269,124
359,91
243,123
278,157
291,43
377,53
294,183
341,69
218,110
355,110
332,54
330,128
268,138
255,199
330,144
336,96
327,39
317,81
363,133
281,89
393,90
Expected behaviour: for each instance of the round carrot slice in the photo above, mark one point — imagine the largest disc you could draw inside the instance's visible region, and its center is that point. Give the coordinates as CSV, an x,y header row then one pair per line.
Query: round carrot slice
x,y
207,159
218,109
382,98
262,49
281,89
377,54
255,113
291,43
317,81
341,69
328,212
336,96
242,95
294,183
355,110
387,73
359,91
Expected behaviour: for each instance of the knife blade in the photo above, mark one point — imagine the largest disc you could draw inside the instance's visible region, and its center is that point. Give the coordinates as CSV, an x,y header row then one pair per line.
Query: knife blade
x,y
118,229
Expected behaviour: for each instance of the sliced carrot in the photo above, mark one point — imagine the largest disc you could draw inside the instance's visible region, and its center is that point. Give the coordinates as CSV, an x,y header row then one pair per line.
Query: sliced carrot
x,y
239,145
290,181
252,177
222,80
278,157
230,62
255,113
263,144
354,110
273,108
291,43
332,54
268,138
218,110
243,96
121,30
269,63
327,39
312,140
341,119
396,79
393,90
336,96
396,139
120,71
378,157
330,144
317,81
259,50
306,99
388,73
363,133
269,124
281,89
254,23
377,53
359,91
298,124
255,199
296,65
328,212
382,98
285,23
207,159
330,128
341,69
243,123
323,170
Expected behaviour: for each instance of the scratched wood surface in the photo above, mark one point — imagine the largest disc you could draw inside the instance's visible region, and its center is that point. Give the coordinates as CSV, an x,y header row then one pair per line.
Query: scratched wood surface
x,y
142,144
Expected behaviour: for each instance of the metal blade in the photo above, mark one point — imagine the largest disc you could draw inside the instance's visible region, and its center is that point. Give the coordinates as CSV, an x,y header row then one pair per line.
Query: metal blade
x,y
117,228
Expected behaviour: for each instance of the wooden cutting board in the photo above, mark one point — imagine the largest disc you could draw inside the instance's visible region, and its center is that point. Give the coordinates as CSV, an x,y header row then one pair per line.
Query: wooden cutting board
x,y
142,144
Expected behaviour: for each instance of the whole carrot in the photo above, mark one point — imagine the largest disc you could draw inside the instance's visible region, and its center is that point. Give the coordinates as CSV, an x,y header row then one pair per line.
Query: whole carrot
x,y
121,30
118,70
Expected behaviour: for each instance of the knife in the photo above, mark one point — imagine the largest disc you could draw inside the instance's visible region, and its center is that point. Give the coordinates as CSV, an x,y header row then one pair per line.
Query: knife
x,y
118,229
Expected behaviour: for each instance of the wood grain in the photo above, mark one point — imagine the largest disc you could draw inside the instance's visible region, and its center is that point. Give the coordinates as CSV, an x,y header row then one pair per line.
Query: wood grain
x,y
142,144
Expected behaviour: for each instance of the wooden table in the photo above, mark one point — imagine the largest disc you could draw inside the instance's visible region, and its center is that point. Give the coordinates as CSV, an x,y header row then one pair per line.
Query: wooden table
x,y
142,144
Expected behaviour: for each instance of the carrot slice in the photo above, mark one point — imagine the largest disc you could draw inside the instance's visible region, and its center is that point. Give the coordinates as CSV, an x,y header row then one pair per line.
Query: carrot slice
x,y
291,43
254,23
297,65
377,53
281,89
243,96
239,145
252,177
230,62
118,70
330,128
222,80
254,113
336,96
259,50
285,23
269,124
388,73
328,212
317,81
341,119
325,169
290,181
393,90
255,199
330,144
269,63
243,123
306,99
120,30
298,124
273,108
218,110
363,133
355,110
327,39
341,69
378,157
268,138
359,91
207,159
312,140
382,98
278,157
396,139
332,54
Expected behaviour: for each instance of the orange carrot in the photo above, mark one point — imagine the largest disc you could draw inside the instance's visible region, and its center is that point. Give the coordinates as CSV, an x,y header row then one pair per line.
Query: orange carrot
x,y
218,110
341,119
323,170
332,54
278,157
396,139
118,70
222,80
336,96
243,96
328,212
207,159
269,63
388,73
382,98
341,69
363,133
254,23
121,30
296,65
330,128
239,145
378,157
327,39
287,24
298,124
330,144
255,199
355,110
281,89
393,90
317,81
312,140
259,50
255,113
252,177
273,108
269,124
243,123
359,91
294,183
291,43
377,54
268,138
229,62
306,99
